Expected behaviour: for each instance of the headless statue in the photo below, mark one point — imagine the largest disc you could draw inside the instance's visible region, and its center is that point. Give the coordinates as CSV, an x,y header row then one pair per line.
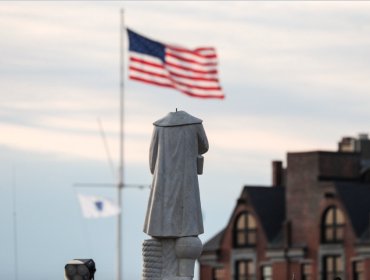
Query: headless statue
x,y
174,215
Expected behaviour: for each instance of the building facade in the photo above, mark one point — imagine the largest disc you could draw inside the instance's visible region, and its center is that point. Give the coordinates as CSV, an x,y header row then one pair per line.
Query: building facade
x,y
313,223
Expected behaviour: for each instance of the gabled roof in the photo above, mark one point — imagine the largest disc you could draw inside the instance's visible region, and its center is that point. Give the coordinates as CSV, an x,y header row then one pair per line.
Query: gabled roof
x,y
214,243
355,197
269,205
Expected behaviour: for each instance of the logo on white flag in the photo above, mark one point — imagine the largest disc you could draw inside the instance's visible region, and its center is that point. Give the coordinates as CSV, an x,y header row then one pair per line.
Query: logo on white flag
x,y
97,206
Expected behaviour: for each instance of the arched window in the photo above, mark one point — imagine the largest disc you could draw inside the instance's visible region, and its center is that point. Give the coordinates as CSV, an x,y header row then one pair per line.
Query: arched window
x,y
333,225
245,230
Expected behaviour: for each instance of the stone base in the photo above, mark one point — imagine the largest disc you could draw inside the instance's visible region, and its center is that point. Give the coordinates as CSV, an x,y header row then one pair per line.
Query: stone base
x,y
178,278
152,257
170,258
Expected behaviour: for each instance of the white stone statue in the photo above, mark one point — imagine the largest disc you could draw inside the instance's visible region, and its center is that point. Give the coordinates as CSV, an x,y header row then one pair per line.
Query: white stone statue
x,y
174,215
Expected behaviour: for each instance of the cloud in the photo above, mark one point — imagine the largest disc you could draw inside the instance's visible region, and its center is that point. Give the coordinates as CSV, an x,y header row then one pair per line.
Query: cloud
x,y
278,66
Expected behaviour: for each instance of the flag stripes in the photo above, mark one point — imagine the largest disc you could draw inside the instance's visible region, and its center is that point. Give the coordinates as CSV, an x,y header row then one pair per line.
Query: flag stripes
x,y
193,72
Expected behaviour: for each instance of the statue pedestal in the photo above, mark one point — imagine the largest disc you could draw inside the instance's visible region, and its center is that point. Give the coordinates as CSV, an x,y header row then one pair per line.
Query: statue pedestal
x,y
178,278
170,258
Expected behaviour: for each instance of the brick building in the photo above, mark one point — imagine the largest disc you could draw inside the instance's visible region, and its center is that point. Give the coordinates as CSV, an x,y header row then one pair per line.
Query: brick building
x,y
312,223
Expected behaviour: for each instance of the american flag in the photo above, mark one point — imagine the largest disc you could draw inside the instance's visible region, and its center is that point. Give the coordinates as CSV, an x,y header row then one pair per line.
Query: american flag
x,y
193,72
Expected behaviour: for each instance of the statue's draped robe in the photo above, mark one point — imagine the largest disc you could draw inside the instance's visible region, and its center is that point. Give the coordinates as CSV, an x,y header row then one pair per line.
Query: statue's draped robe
x,y
174,208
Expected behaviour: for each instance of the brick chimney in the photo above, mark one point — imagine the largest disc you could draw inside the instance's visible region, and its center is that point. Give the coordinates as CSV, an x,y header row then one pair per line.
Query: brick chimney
x,y
356,145
347,144
277,173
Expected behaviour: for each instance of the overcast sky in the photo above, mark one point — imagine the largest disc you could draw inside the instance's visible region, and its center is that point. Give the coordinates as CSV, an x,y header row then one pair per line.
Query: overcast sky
x,y
295,76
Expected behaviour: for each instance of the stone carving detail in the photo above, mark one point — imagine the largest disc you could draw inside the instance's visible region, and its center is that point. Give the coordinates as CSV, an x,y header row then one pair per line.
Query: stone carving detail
x,y
152,257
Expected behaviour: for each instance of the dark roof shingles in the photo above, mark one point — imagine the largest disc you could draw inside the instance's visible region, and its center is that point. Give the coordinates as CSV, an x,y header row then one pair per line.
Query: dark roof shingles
x,y
269,205
356,200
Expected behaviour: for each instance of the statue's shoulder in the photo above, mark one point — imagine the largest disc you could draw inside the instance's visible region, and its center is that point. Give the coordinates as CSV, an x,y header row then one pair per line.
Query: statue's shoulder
x,y
178,118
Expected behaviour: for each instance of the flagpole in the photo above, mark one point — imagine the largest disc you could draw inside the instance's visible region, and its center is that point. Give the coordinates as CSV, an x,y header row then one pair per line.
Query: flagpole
x,y
120,179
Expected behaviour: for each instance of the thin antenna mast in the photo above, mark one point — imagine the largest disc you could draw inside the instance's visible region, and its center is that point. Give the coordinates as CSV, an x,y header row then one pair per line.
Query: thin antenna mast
x,y
106,146
15,225
120,172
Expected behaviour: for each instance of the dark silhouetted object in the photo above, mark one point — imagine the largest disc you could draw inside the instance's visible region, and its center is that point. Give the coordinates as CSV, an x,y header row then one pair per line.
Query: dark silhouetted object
x,y
79,269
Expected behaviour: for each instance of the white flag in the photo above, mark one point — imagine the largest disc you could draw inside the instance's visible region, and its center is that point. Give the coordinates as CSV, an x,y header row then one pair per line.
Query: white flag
x,y
97,206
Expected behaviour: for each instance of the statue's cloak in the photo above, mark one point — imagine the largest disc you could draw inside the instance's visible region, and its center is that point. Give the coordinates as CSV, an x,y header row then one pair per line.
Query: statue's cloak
x,y
174,208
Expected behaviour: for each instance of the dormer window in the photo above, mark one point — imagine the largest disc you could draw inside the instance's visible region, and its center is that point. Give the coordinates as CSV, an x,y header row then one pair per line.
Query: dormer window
x,y
333,225
245,230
